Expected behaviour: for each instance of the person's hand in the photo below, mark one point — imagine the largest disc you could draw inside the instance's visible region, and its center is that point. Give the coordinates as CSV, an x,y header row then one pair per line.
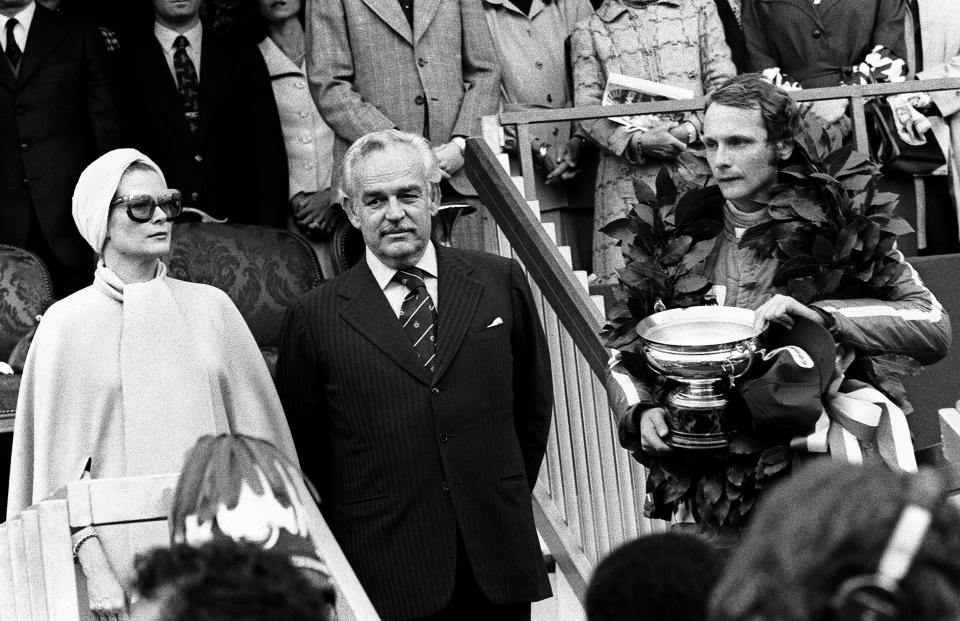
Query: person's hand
x,y
449,157
682,132
107,600
567,162
658,143
829,110
654,430
316,210
782,309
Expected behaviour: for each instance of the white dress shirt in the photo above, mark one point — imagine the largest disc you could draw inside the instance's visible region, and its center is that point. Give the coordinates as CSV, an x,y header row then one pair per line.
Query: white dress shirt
x,y
166,37
396,292
24,19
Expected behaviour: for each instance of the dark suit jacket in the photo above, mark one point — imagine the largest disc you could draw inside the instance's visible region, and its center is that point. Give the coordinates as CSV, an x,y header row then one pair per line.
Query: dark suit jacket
x,y
813,44
236,165
56,116
403,460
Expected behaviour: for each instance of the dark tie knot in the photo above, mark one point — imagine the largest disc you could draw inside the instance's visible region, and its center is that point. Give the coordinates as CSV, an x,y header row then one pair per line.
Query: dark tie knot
x,y
11,24
181,43
413,278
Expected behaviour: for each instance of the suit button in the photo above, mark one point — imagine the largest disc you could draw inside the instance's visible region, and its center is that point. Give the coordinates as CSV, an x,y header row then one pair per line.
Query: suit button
x,y
198,157
419,100
445,486
817,34
194,197
444,437
25,182
24,146
435,390
21,110
422,62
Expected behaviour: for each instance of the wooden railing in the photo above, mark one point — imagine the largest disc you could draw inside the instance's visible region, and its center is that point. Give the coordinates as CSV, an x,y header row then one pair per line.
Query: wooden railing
x,y
590,496
37,574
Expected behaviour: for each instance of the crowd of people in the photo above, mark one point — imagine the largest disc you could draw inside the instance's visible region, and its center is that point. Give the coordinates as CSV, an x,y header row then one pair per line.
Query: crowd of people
x,y
414,391
185,93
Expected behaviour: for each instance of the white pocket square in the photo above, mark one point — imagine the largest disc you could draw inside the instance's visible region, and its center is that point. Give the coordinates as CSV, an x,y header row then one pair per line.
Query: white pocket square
x,y
495,322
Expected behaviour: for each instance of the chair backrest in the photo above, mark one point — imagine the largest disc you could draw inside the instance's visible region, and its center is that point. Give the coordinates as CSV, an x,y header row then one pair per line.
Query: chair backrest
x,y
261,268
25,293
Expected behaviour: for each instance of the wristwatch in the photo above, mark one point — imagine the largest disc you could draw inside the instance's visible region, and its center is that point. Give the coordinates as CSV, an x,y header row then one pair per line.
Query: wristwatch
x,y
461,142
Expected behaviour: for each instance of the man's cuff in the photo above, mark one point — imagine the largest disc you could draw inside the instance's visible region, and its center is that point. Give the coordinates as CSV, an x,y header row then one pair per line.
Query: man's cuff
x,y
461,143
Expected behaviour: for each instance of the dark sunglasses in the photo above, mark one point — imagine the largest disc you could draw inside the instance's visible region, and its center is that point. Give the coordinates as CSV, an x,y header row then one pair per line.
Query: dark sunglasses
x,y
140,207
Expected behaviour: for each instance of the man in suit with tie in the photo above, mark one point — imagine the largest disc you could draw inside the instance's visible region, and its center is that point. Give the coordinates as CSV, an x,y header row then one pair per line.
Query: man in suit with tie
x,y
58,115
417,385
422,66
201,106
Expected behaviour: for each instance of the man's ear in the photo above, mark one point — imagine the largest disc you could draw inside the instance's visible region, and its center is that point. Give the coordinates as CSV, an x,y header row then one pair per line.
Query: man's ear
x,y
784,149
349,209
435,198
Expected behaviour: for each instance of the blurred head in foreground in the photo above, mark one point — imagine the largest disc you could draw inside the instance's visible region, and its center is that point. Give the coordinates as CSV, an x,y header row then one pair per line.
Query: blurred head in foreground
x,y
224,580
840,542
664,577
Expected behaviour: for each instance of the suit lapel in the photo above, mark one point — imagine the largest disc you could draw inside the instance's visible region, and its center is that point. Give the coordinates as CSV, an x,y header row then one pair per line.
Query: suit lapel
x,y
156,77
423,12
391,13
366,309
459,295
46,32
7,79
824,8
217,68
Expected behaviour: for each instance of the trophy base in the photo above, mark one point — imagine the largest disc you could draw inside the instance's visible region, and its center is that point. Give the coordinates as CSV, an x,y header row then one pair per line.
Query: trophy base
x,y
698,441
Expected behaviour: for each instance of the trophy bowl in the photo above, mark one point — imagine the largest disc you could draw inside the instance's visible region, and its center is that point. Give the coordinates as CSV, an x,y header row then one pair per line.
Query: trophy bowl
x,y
704,348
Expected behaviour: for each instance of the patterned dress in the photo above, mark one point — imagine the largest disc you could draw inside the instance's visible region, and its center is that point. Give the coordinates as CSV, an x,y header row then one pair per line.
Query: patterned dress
x,y
676,42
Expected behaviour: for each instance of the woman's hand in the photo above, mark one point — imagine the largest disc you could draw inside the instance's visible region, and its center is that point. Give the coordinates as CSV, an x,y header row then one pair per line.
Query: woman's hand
x,y
107,600
659,143
316,210
829,110
654,430
567,162
782,309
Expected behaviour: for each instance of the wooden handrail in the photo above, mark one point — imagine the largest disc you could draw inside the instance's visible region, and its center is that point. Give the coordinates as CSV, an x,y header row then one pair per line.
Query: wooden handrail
x,y
537,251
857,96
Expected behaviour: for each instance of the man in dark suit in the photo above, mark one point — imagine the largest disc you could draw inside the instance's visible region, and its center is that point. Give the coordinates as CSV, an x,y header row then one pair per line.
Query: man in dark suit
x,y
417,386
201,106
57,114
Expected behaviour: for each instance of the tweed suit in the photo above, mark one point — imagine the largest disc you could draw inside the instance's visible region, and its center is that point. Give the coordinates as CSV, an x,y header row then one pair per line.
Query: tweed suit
x,y
369,70
406,462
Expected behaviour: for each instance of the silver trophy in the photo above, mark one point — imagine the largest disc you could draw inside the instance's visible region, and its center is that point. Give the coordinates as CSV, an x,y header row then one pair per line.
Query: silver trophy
x,y
705,348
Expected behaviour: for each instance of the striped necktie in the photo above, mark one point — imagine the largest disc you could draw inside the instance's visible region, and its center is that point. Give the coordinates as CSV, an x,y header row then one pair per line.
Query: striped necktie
x,y
418,315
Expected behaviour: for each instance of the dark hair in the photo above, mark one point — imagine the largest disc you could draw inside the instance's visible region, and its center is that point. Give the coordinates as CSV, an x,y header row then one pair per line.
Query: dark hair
x,y
663,577
255,25
781,118
225,580
829,522
214,471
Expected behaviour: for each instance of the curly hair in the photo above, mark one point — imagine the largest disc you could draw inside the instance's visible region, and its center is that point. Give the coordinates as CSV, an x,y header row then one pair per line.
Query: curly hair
x,y
225,580
827,523
663,577
781,117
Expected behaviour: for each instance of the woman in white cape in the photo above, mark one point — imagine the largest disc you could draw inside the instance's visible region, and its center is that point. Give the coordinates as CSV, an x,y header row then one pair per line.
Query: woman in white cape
x,y
123,376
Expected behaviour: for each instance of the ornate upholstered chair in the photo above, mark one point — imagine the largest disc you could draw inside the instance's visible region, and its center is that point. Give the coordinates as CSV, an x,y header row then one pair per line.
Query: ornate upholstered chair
x,y
25,293
262,269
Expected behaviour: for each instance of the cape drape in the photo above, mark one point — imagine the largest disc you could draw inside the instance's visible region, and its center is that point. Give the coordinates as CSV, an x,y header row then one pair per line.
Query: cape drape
x,y
127,377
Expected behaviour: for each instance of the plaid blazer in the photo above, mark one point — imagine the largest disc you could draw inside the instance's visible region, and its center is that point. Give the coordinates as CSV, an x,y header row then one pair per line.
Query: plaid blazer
x,y
370,70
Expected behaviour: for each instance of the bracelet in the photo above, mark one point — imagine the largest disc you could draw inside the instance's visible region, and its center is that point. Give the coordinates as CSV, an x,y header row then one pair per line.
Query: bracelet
x,y
80,542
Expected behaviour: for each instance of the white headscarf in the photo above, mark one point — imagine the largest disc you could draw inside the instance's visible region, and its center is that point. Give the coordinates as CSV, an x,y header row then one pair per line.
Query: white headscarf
x,y
95,189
